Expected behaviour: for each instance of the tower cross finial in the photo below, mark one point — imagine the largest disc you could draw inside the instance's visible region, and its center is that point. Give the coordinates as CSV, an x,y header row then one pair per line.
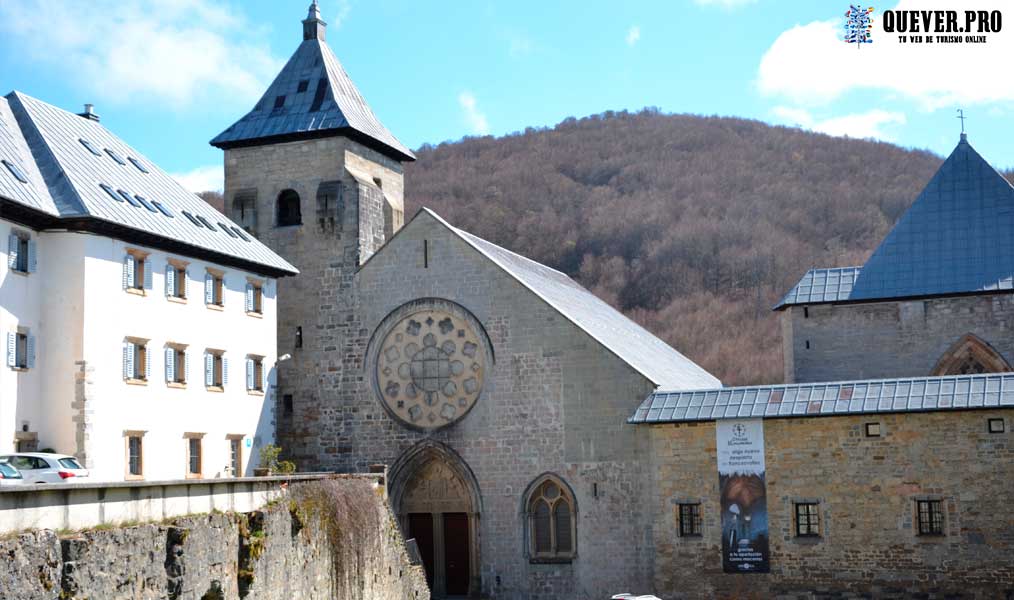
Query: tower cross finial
x,y
313,26
961,115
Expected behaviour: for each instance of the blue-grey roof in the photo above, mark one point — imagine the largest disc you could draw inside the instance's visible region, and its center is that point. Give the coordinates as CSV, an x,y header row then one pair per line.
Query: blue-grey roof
x,y
829,399
657,361
329,102
956,238
66,178
822,285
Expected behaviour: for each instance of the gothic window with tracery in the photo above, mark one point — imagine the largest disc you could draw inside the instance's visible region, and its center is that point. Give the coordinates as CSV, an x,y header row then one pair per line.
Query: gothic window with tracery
x,y
551,523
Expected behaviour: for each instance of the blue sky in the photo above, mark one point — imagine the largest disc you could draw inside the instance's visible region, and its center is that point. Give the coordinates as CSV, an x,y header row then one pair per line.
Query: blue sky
x,y
168,75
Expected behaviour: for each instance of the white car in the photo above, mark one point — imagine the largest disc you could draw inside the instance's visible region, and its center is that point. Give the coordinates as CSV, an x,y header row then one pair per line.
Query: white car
x,y
39,467
10,476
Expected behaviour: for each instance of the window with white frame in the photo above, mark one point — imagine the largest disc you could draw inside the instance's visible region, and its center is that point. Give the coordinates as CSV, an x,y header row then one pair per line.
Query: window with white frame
x,y
256,376
136,271
236,455
214,288
21,253
176,279
195,455
136,366
176,364
255,297
216,369
134,446
20,349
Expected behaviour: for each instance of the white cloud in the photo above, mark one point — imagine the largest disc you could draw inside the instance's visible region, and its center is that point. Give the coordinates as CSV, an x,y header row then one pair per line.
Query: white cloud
x,y
724,3
202,179
344,7
810,64
473,116
175,53
519,45
633,35
869,124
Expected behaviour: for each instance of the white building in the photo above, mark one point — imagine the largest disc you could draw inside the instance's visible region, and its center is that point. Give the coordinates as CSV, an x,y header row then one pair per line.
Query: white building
x,y
139,323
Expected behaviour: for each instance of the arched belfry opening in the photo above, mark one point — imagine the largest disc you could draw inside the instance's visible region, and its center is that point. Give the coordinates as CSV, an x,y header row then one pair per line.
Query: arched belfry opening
x,y
437,500
970,355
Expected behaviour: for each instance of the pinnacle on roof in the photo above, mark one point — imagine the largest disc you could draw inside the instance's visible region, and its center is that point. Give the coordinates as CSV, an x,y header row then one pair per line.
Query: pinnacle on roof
x,y
312,97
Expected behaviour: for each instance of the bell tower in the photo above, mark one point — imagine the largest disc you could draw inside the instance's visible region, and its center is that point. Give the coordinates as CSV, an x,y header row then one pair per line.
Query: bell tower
x,y
313,174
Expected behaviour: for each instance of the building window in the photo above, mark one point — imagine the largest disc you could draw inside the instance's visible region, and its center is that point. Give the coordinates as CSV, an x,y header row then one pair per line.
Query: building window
x,y
288,209
195,458
299,336
551,522
329,207
236,455
20,350
136,366
996,426
872,430
21,253
244,210
135,455
255,375
255,297
176,280
216,370
176,364
930,517
214,288
807,519
136,274
690,519
287,404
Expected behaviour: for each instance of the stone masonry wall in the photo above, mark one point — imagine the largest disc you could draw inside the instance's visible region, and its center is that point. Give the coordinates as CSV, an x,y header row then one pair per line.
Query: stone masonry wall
x,y
555,401
264,555
867,488
889,339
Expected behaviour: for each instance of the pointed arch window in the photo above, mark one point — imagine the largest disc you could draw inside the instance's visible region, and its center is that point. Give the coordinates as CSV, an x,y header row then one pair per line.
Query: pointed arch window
x,y
552,528
970,355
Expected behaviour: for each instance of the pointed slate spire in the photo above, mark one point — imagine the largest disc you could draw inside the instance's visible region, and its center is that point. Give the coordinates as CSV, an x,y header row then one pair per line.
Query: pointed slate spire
x,y
312,97
313,26
956,238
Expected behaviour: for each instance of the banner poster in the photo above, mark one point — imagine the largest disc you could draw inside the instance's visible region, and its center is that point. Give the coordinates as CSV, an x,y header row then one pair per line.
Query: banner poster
x,y
743,495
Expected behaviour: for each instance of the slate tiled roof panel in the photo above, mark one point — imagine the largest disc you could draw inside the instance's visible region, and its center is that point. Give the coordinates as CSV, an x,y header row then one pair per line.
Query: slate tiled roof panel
x,y
829,399
340,106
73,175
822,285
645,353
14,148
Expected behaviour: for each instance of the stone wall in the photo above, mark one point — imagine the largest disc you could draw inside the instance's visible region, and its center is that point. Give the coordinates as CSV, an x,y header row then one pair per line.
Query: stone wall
x,y
867,488
829,342
280,552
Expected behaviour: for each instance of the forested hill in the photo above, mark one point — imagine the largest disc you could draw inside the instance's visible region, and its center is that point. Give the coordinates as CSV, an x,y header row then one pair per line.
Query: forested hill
x,y
692,226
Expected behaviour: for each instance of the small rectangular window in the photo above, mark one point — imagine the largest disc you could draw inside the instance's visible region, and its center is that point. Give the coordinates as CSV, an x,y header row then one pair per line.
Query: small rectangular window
x,y
20,350
279,102
21,253
214,288
690,519
873,430
194,462
15,171
216,369
807,519
135,463
303,85
996,426
176,364
930,517
135,360
287,404
113,155
176,281
255,297
236,456
255,373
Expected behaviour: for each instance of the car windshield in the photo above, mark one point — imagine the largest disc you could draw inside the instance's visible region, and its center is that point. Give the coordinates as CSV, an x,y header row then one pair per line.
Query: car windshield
x,y
70,463
8,471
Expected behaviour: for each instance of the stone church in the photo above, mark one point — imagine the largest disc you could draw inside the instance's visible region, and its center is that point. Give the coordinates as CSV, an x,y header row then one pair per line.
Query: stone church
x,y
494,388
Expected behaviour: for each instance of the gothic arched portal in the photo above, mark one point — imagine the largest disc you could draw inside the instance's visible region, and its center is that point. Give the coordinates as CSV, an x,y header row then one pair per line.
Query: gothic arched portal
x,y
968,356
437,500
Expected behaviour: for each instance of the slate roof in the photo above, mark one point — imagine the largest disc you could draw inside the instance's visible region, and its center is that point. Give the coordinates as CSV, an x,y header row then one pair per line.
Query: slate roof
x,y
822,285
956,238
829,399
65,179
645,353
329,103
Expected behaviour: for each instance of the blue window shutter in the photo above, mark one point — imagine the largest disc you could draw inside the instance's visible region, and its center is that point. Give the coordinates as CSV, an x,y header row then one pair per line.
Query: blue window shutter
x,y
268,289
147,365
264,376
30,348
225,371
209,288
170,364
32,259
12,251
209,369
128,360
147,274
223,291
184,277
249,297
128,271
170,280
12,349
186,366
249,374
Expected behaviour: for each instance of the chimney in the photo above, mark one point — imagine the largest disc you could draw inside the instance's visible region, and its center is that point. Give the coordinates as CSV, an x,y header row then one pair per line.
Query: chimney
x,y
89,113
